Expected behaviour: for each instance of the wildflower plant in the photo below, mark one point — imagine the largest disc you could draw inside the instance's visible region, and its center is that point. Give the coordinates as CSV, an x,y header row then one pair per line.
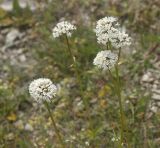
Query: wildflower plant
x,y
66,29
62,28
43,91
110,34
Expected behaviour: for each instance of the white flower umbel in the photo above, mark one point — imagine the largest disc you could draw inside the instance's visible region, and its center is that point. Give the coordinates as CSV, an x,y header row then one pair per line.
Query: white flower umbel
x,y
108,30
105,28
42,89
105,59
121,39
105,24
63,28
115,139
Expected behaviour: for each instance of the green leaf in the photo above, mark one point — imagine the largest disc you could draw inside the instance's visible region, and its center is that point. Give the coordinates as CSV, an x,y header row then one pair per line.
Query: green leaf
x,y
16,7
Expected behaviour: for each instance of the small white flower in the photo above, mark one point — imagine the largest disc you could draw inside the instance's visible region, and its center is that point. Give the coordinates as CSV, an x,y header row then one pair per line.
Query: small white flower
x,y
63,28
42,89
115,139
105,59
67,140
73,137
87,143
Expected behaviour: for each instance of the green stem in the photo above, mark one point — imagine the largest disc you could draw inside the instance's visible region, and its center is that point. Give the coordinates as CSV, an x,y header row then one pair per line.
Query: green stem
x,y
118,91
116,82
109,45
119,54
70,51
77,73
120,98
54,124
122,115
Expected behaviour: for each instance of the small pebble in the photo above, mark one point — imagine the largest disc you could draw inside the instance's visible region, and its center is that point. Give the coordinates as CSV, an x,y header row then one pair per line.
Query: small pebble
x,y
147,77
9,136
19,124
28,127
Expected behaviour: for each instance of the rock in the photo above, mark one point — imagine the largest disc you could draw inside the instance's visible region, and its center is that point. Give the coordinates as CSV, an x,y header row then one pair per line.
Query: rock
x,y
21,114
61,105
158,104
156,91
147,77
4,31
7,5
157,65
19,124
154,109
9,136
156,97
11,37
22,58
78,105
28,127
93,100
154,86
1,37
157,81
157,141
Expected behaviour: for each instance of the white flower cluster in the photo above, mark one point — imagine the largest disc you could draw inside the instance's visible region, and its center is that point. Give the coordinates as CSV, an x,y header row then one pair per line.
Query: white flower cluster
x,y
63,28
108,30
105,59
115,139
42,89
121,40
